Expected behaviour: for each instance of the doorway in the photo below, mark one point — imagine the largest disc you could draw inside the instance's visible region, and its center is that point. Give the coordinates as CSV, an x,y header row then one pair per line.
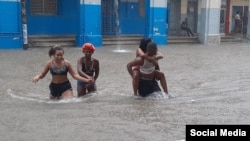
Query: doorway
x,y
109,17
244,17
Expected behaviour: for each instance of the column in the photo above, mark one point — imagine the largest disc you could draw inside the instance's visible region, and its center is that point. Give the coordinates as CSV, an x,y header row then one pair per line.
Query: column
x,y
199,27
248,23
156,21
89,23
24,25
10,25
209,21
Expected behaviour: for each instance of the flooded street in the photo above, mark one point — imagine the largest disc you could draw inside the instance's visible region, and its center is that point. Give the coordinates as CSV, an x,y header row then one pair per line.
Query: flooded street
x,y
210,85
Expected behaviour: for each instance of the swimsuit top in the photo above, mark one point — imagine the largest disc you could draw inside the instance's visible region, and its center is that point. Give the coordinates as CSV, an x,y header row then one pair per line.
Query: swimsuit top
x,y
88,70
147,67
58,71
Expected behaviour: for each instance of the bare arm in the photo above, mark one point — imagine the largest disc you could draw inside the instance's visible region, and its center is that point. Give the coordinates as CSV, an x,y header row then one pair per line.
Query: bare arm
x,y
43,73
139,52
97,69
75,75
153,59
159,56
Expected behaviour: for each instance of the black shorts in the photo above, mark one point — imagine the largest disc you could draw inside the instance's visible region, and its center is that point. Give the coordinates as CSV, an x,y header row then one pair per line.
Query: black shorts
x,y
147,87
56,89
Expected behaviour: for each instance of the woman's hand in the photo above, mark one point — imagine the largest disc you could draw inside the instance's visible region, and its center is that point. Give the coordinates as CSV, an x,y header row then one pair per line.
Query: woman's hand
x,y
90,80
36,78
152,59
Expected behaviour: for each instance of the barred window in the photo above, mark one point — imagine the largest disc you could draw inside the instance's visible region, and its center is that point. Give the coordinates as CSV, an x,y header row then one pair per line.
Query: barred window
x,y
43,7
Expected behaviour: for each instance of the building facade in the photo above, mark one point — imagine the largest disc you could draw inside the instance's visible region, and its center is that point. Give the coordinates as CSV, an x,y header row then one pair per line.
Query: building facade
x,y
90,20
210,19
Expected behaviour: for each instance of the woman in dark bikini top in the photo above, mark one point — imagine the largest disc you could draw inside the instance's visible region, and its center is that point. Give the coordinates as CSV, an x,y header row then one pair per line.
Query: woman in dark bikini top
x,y
87,67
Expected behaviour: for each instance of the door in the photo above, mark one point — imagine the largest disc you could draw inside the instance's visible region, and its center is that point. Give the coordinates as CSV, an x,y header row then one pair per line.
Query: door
x,y
174,8
192,11
244,17
109,14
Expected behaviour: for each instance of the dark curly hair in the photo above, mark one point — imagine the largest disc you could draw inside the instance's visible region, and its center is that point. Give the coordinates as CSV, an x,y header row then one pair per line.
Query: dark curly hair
x,y
143,43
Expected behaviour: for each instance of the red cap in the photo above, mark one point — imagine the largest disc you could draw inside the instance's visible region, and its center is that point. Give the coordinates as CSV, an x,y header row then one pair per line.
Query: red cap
x,y
88,46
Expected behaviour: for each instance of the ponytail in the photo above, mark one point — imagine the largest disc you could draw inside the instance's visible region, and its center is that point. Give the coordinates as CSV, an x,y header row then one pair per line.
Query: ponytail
x,y
53,50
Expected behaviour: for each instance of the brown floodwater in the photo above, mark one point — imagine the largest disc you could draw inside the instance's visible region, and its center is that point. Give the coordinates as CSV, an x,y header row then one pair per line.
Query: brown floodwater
x,y
210,85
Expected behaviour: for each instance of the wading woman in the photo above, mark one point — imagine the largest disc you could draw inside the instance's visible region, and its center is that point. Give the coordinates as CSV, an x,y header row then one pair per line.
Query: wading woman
x,y
87,67
60,86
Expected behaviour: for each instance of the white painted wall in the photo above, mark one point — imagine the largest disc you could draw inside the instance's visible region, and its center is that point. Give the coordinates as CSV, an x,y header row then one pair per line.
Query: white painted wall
x,y
158,3
92,2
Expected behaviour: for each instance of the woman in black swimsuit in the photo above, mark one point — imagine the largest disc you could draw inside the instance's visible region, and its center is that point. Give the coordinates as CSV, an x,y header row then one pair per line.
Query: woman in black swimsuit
x,y
87,67
60,87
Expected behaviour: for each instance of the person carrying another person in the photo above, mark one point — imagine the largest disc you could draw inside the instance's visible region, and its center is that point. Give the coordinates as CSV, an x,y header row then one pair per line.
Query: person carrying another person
x,y
140,52
148,73
60,86
184,26
87,67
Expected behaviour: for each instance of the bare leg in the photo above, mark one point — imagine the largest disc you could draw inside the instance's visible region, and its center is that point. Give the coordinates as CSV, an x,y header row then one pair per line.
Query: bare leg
x,y
52,98
81,91
91,88
135,81
67,94
160,76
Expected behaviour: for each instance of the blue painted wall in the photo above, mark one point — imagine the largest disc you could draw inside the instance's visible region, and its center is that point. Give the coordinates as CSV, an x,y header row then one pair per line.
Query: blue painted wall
x,y
63,23
130,20
157,25
10,25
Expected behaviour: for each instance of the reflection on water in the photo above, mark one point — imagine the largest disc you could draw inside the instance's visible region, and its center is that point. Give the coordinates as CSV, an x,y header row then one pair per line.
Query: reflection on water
x,y
121,50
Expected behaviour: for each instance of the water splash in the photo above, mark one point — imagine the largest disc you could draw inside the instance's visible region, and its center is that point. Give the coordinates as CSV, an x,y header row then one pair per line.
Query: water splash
x,y
70,100
11,94
156,96
17,95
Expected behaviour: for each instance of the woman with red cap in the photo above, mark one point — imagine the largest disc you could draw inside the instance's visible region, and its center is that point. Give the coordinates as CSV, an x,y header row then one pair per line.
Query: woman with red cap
x,y
87,67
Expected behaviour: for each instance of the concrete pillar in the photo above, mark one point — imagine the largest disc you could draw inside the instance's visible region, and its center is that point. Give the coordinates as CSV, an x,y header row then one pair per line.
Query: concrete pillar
x,y
156,21
24,25
248,22
199,27
10,25
209,21
89,23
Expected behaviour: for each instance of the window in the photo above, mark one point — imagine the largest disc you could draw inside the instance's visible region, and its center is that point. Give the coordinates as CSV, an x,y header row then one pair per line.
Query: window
x,y
43,7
